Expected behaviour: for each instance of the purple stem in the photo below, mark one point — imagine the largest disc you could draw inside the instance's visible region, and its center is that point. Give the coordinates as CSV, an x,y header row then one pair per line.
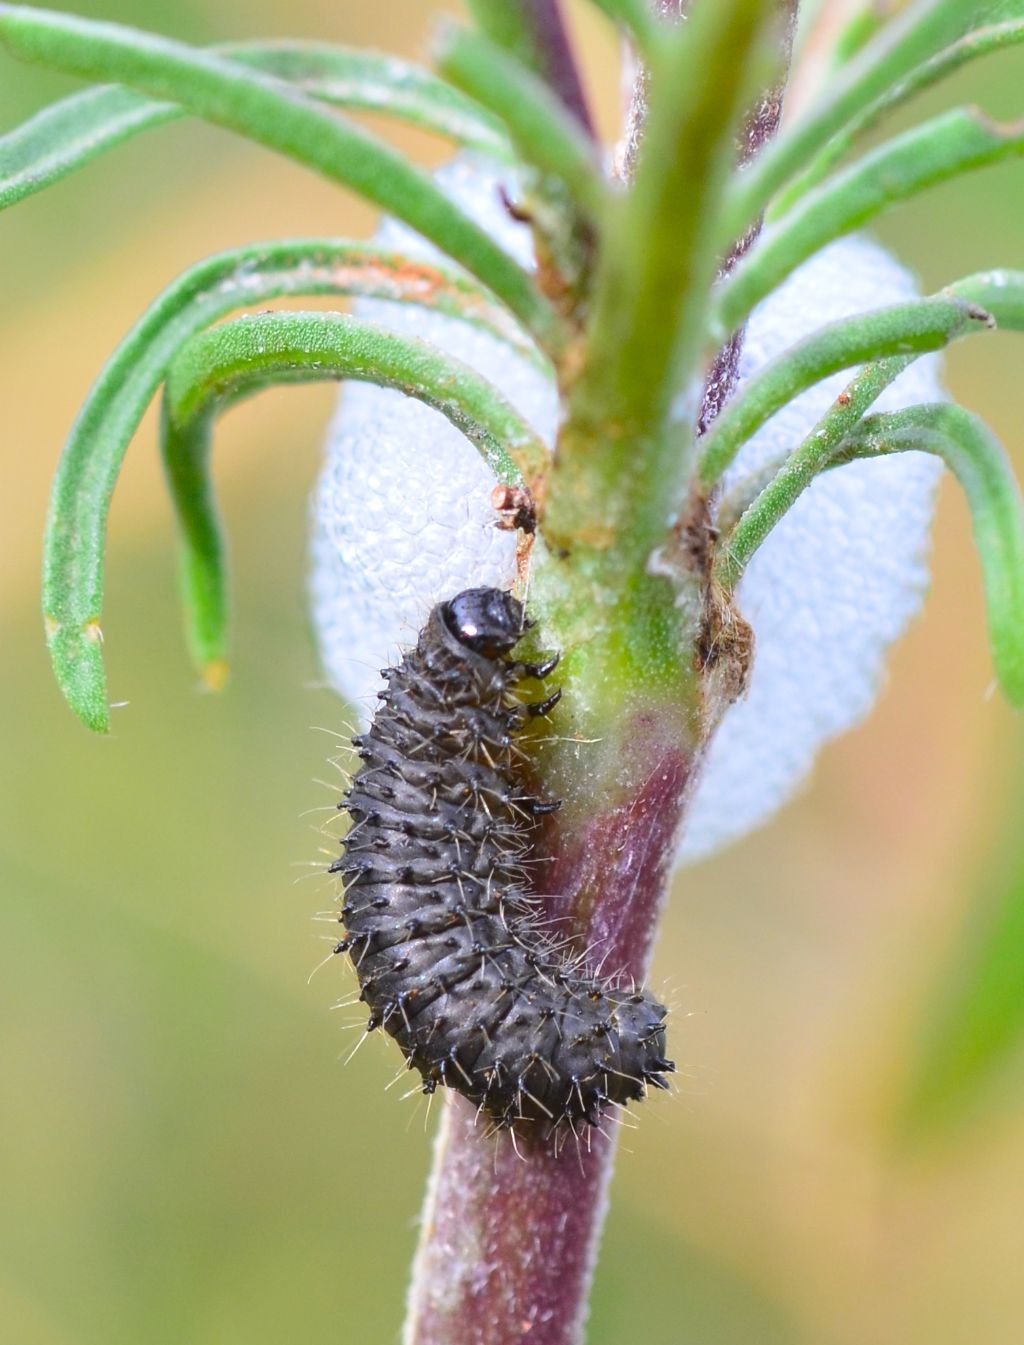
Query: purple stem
x,y
509,1242
760,126
554,55
510,1229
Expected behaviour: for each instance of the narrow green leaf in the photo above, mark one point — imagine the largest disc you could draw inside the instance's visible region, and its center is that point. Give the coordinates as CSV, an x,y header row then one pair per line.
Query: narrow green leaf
x,y
89,466
969,449
70,133
980,43
972,1029
224,364
370,81
1000,292
976,458
277,115
904,329
544,132
857,33
951,144
737,545
922,31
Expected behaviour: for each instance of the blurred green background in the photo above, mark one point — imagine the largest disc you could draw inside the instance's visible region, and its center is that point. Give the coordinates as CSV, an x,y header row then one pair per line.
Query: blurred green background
x,y
182,1156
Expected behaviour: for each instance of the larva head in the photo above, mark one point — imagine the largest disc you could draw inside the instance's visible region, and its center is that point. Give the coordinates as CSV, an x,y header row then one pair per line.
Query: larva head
x,y
486,620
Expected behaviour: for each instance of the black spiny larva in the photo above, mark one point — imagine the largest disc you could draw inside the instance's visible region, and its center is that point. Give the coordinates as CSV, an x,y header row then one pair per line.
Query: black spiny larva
x,y
446,939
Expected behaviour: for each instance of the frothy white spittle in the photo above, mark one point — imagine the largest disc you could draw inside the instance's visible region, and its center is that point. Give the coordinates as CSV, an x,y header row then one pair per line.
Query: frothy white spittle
x,y
402,515
840,576
402,518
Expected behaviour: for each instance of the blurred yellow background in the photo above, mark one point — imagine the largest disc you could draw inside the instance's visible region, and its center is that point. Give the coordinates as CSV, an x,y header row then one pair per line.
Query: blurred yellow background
x,y
182,1156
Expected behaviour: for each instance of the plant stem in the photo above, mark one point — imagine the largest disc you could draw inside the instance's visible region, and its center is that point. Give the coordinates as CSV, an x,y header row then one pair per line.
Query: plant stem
x,y
619,479
762,123
483,1276
511,1228
509,1238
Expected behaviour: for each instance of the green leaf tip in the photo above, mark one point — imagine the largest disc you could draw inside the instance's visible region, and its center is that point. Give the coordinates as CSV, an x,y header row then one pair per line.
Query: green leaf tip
x,y
223,364
976,458
241,277
76,651
215,674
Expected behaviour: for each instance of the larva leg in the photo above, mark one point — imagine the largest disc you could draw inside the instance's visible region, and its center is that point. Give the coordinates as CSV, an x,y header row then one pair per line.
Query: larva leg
x,y
538,709
545,668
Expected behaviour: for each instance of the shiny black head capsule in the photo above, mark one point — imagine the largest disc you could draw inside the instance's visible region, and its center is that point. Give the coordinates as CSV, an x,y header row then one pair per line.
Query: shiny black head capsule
x,y
485,620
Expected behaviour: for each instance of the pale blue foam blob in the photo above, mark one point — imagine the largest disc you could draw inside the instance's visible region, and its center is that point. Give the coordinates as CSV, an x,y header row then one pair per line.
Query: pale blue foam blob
x,y
402,518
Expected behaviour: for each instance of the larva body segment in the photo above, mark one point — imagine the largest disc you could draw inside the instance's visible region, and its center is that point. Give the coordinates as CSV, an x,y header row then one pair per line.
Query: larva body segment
x,y
448,944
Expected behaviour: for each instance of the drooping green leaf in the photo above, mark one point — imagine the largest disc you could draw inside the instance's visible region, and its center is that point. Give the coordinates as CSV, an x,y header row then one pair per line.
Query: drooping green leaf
x,y
990,299
999,294
72,132
971,452
224,364
953,143
274,113
976,458
89,467
972,1020
790,471
925,29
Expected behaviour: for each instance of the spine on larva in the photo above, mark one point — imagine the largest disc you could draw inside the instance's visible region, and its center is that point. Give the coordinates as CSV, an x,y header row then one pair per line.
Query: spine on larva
x,y
451,950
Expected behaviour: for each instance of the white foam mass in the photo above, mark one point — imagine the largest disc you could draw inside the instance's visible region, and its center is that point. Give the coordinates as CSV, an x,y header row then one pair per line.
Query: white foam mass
x,y
402,518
